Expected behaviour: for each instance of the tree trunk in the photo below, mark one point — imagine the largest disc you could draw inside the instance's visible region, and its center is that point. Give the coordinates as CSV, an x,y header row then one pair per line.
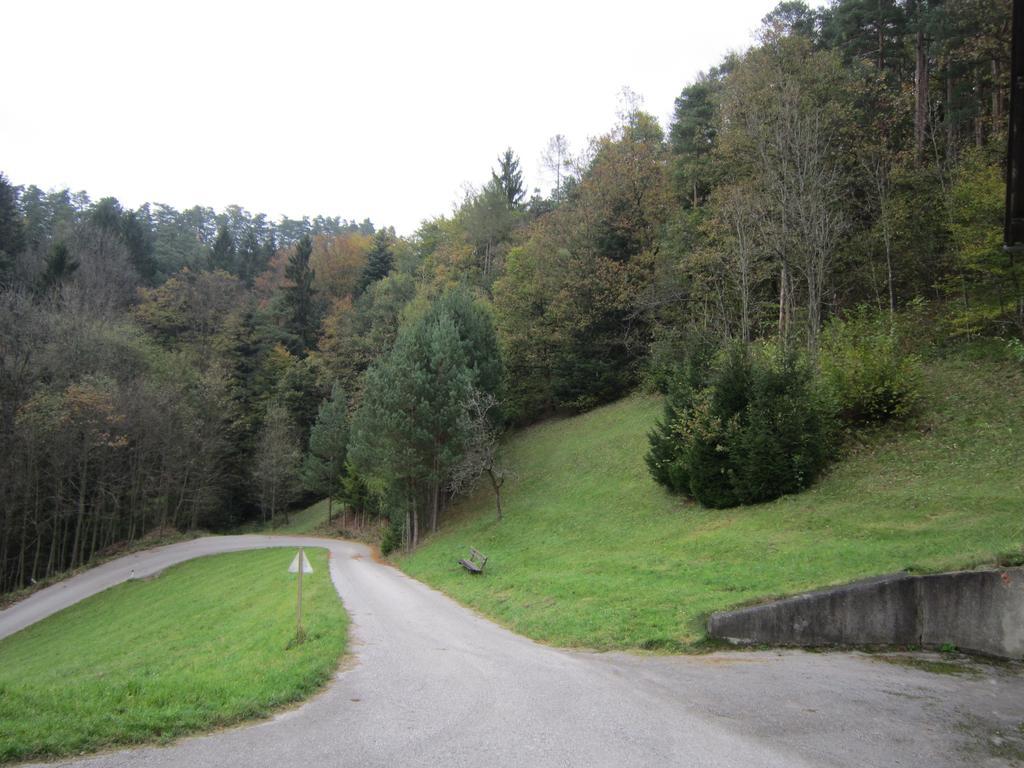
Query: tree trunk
x,y
497,490
888,275
96,524
950,124
920,88
38,552
979,118
881,39
814,286
997,97
784,301
435,492
20,581
52,559
415,523
81,508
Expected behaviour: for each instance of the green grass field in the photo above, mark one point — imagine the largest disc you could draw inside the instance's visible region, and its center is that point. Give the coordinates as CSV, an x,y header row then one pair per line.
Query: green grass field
x,y
206,644
593,553
304,521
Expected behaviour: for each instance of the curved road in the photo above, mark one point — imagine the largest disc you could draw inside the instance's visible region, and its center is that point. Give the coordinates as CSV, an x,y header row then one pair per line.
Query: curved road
x,y
432,684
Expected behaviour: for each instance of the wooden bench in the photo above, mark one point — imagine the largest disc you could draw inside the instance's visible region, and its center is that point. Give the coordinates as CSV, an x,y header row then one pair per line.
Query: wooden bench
x,y
475,563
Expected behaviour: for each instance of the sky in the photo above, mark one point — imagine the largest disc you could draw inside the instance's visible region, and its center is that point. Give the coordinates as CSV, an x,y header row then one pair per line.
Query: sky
x,y
373,109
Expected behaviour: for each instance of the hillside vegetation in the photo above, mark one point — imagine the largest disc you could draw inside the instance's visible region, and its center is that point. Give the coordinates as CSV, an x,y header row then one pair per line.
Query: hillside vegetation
x,y
593,553
198,369
203,645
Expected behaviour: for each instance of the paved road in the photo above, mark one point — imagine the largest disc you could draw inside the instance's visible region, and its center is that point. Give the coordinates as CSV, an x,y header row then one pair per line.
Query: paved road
x,y
432,684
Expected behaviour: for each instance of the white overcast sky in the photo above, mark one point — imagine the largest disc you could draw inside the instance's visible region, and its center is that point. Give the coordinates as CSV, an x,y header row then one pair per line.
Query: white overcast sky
x,y
377,109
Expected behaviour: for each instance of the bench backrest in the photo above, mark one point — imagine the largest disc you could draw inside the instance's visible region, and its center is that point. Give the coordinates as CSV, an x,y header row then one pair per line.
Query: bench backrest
x,y
478,557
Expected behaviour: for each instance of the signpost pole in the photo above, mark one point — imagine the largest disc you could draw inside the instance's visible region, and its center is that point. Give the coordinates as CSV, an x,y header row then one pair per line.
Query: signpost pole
x,y
298,608
299,565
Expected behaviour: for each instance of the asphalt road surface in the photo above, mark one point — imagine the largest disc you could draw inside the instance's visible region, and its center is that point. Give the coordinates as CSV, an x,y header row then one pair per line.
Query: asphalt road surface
x,y
429,683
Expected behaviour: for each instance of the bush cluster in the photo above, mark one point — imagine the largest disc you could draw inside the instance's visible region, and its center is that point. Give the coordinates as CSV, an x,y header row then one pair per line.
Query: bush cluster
x,y
869,375
750,429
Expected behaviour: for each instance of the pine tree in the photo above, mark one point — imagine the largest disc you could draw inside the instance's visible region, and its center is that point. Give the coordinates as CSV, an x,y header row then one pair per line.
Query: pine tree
x,y
302,320
379,260
59,268
412,426
250,258
12,234
323,470
477,337
222,256
443,383
510,178
138,238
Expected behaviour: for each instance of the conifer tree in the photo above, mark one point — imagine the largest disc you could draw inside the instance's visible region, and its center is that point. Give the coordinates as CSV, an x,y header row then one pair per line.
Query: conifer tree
x,y
302,320
510,178
323,470
379,260
59,268
222,255
412,425
477,337
12,234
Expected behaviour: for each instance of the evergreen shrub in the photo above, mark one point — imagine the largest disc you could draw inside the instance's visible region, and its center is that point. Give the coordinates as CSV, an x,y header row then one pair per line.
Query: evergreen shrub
x,y
757,428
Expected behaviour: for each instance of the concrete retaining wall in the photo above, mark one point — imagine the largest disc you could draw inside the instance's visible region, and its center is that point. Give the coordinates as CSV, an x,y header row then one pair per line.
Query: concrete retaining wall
x,y
980,611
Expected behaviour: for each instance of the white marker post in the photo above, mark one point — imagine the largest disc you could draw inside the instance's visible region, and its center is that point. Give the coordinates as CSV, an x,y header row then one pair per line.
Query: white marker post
x,y
300,565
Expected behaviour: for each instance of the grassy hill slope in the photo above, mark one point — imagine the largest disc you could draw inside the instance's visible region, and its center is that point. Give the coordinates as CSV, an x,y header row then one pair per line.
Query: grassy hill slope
x,y
203,645
593,553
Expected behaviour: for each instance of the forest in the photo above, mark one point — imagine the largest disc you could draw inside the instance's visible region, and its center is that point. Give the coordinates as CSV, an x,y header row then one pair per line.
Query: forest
x,y
200,369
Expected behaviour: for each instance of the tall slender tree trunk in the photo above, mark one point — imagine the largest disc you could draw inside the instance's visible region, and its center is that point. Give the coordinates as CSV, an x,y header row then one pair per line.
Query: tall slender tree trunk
x,y
96,524
882,182
888,274
881,39
496,484
20,581
784,304
997,96
52,560
62,557
38,552
920,87
950,124
415,523
80,517
435,500
814,295
979,118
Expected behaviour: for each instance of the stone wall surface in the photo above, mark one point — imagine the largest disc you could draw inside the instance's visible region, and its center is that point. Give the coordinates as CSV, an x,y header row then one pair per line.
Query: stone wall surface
x,y
974,610
980,611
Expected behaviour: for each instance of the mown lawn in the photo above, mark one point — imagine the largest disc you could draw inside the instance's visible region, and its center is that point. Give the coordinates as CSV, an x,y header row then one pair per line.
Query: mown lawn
x,y
304,521
593,553
205,644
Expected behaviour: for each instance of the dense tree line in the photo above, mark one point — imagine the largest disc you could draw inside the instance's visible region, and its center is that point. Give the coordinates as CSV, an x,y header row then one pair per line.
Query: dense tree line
x,y
202,369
